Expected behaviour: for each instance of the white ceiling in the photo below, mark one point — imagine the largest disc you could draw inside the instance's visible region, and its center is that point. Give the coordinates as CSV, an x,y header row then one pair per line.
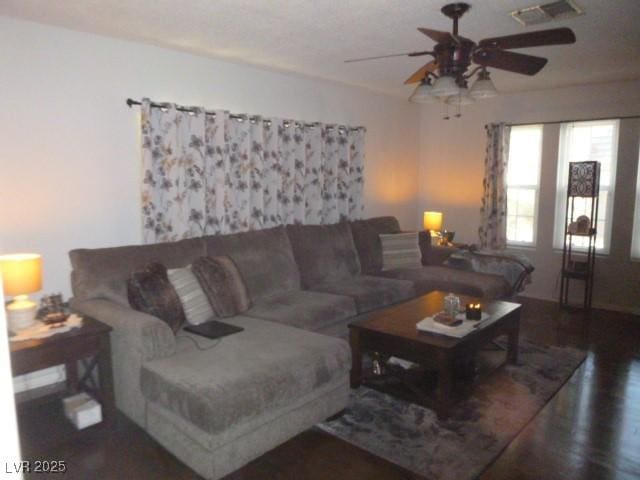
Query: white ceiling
x,y
314,37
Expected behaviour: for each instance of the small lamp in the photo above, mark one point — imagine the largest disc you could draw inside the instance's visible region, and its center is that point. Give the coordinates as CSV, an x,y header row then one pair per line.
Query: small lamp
x,y
432,222
21,274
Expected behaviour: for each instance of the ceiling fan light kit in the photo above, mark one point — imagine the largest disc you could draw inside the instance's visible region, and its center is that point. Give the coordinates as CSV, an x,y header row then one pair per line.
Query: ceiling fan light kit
x,y
462,99
444,87
422,93
483,87
453,55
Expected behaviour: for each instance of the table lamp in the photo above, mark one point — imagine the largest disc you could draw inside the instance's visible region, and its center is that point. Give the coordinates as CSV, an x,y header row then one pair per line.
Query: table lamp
x,y
432,222
21,274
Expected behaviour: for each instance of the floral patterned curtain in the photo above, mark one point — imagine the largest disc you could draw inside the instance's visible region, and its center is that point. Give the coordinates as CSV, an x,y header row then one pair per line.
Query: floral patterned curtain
x,y
493,214
207,174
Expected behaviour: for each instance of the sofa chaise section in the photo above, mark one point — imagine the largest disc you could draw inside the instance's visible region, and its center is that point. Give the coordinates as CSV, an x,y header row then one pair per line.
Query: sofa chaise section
x,y
246,385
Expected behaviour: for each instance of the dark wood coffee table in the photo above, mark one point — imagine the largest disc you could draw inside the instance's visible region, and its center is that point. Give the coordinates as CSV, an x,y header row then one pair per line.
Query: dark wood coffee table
x,y
393,332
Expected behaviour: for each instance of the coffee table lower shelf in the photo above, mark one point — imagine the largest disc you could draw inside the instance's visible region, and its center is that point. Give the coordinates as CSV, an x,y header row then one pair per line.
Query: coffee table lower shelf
x,y
419,385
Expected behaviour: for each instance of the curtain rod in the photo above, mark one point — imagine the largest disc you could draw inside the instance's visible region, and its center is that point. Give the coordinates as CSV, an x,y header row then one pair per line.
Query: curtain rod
x,y
242,117
573,120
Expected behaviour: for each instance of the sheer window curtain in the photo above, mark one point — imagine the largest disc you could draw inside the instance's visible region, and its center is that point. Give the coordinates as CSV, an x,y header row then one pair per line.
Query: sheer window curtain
x,y
207,174
493,213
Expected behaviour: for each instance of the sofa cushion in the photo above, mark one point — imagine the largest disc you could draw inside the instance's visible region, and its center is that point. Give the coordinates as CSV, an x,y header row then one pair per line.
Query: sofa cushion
x,y
103,272
305,309
150,291
427,279
370,292
367,241
324,253
400,250
264,258
223,285
195,304
263,368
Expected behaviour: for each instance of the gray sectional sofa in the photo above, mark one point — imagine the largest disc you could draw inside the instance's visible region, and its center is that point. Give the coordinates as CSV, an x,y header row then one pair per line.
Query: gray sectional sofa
x,y
217,404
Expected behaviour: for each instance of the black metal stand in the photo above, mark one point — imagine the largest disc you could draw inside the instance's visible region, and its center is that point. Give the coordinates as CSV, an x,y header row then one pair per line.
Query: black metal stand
x,y
584,182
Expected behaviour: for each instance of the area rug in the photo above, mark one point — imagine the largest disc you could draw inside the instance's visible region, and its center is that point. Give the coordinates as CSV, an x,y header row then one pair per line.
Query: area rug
x,y
478,429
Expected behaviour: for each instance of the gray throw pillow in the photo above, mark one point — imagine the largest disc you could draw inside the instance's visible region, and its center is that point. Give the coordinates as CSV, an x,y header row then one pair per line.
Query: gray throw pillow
x,y
150,291
400,250
194,301
223,285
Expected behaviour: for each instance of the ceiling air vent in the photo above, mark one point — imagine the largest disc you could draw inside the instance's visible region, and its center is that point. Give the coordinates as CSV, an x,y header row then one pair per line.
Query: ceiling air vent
x,y
560,10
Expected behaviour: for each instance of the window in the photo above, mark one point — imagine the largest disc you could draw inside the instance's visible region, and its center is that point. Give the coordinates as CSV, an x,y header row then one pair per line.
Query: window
x,y
523,181
635,239
579,142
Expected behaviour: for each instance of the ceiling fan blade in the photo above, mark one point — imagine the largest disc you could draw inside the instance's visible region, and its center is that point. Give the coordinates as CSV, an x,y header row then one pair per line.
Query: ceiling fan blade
x,y
510,61
420,74
438,36
554,36
410,54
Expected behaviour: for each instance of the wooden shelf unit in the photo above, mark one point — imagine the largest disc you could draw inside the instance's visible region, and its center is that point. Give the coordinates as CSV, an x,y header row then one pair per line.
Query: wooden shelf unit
x,y
577,262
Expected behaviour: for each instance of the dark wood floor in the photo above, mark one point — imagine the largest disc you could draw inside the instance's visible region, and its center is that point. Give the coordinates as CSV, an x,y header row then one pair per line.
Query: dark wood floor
x,y
589,430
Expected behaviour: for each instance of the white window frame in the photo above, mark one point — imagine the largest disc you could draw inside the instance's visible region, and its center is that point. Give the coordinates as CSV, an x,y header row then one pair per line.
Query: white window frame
x,y
535,188
635,236
562,178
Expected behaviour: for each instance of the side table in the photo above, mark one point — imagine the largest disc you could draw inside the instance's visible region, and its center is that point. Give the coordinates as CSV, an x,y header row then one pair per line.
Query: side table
x,y
89,345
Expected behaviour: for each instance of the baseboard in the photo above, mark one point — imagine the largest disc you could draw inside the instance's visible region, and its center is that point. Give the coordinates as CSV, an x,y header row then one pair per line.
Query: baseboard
x,y
601,306
39,378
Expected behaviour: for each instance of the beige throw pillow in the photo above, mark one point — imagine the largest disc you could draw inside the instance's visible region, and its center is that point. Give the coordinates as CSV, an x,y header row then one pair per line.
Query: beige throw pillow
x,y
400,250
194,301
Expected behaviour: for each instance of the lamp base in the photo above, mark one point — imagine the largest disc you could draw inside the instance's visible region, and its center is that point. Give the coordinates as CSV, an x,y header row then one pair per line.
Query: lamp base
x,y
21,314
436,238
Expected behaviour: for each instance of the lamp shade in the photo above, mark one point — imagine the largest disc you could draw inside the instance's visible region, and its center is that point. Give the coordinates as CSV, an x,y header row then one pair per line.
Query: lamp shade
x,y
483,88
422,94
21,273
432,221
461,99
445,86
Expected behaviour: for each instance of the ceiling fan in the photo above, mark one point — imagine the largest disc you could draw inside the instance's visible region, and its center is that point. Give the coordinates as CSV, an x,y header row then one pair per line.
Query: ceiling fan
x,y
446,76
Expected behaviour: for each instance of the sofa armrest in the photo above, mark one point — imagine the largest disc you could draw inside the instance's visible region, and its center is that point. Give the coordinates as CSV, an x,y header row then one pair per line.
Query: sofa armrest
x,y
149,336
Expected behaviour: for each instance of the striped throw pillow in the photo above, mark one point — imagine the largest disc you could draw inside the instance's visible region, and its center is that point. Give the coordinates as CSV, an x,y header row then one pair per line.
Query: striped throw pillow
x,y
400,250
194,301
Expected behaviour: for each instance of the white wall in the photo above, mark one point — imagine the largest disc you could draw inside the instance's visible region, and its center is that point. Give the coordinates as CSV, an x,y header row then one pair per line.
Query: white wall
x,y
452,167
69,163
9,443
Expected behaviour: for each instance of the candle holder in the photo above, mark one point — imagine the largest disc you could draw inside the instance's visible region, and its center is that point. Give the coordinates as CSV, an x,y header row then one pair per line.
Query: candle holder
x,y
473,311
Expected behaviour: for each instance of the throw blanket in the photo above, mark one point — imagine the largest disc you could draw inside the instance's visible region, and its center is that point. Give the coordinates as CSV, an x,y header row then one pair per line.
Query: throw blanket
x,y
516,269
